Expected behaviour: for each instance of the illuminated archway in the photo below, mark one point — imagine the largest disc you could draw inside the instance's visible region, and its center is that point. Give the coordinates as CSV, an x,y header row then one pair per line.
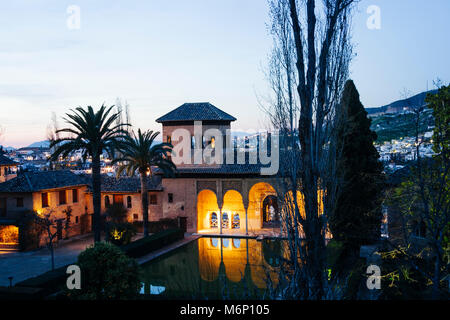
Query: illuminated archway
x,y
207,208
270,211
256,196
233,206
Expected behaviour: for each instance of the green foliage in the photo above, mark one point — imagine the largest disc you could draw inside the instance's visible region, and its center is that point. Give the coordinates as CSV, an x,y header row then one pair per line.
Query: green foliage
x,y
106,273
121,233
357,216
154,242
400,280
440,103
422,201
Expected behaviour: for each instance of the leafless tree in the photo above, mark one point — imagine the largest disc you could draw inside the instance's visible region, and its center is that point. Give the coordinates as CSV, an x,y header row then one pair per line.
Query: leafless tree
x,y
51,225
309,67
52,134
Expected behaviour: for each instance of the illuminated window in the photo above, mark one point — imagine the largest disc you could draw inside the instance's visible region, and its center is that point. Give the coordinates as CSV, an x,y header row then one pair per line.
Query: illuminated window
x,y
225,221
213,220
236,221
236,243
226,243
213,142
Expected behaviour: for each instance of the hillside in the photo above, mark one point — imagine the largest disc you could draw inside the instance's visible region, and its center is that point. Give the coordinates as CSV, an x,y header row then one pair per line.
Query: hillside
x,y
395,126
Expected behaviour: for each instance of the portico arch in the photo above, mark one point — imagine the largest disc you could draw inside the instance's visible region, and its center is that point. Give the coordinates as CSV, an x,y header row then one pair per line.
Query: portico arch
x,y
258,192
233,205
206,207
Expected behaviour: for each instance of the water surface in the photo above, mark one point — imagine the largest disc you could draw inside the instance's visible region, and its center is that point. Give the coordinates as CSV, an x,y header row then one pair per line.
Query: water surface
x,y
215,268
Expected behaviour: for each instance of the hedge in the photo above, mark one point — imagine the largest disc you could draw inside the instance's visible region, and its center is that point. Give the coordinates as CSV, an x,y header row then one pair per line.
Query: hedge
x,y
157,226
154,242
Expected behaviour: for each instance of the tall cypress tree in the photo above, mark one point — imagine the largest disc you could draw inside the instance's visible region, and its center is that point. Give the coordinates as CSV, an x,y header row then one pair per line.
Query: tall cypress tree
x,y
357,218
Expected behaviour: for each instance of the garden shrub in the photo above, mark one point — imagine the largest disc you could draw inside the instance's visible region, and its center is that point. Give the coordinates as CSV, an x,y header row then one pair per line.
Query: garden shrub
x,y
106,273
121,233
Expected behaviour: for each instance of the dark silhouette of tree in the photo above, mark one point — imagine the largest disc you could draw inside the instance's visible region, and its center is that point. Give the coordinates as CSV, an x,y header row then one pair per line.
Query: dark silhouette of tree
x,y
357,218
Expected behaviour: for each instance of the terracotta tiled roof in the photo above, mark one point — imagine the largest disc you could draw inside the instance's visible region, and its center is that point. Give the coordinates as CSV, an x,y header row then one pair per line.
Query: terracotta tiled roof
x,y
129,184
42,180
200,111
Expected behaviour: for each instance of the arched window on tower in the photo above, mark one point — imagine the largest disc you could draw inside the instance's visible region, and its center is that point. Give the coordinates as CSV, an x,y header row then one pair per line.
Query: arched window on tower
x,y
213,220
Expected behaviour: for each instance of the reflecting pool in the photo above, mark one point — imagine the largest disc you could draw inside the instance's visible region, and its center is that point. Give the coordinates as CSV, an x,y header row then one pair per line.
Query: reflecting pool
x,y
215,268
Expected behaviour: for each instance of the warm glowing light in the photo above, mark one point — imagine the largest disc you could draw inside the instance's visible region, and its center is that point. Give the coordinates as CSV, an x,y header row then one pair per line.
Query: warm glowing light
x,y
9,235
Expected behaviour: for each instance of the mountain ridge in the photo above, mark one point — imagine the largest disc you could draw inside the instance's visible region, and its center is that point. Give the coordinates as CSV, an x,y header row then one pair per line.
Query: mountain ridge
x,y
401,105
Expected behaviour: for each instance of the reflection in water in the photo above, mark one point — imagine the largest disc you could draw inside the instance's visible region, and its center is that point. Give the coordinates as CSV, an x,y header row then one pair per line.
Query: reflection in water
x,y
216,268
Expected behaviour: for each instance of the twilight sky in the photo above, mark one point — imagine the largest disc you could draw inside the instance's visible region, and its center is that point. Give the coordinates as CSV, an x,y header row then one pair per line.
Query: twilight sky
x,y
160,54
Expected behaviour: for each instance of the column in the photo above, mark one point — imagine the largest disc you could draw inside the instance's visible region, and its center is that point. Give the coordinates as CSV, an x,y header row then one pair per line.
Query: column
x,y
220,220
246,222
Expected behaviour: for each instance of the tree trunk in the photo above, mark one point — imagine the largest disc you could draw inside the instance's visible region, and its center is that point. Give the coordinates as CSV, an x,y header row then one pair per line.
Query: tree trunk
x,y
96,195
144,202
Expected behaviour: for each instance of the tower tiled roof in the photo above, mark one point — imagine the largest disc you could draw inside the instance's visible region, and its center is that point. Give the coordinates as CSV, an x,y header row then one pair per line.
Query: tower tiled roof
x,y
199,111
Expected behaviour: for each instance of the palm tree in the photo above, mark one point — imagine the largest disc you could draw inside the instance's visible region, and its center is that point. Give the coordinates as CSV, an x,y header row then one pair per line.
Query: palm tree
x,y
140,154
92,133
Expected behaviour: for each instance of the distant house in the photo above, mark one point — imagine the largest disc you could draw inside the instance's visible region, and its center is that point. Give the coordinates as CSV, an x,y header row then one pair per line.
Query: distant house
x,y
43,192
8,168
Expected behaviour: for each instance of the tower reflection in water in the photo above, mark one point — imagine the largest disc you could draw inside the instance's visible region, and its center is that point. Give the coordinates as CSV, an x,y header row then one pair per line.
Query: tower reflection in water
x,y
217,268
